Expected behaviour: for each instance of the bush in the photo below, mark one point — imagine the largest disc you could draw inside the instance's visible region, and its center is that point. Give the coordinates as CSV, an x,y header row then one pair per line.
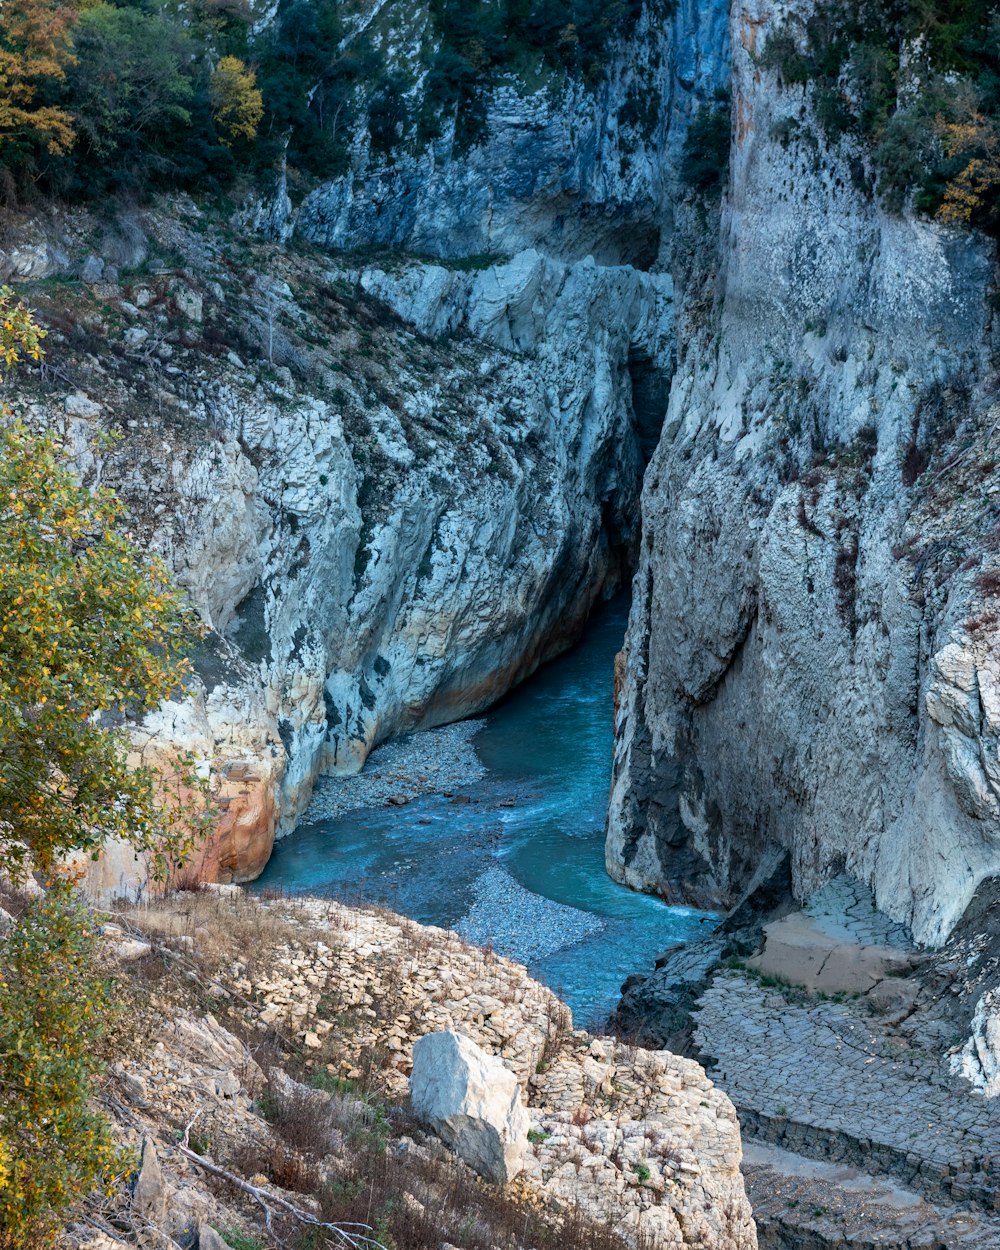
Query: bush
x,y
57,1006
705,160
89,630
932,133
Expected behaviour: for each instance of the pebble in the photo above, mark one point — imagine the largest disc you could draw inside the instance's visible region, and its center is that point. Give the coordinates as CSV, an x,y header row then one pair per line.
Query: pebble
x,y
522,925
435,761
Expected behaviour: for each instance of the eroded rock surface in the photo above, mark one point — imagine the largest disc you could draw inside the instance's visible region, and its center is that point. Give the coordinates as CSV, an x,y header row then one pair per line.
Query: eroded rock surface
x,y
812,654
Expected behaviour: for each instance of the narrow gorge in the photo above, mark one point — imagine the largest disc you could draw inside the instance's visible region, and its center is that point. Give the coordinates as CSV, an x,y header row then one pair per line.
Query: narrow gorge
x,y
646,341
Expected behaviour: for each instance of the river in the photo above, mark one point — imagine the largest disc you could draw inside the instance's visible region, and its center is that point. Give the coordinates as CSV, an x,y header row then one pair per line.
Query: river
x,y
515,857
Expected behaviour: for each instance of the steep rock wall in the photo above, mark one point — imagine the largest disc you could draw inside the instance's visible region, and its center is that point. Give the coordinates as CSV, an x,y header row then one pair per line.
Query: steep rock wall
x,y
573,170
385,519
811,658
392,521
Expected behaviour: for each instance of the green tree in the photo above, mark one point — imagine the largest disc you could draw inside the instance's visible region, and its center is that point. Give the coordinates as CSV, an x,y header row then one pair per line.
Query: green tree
x,y
705,159
131,92
90,634
89,631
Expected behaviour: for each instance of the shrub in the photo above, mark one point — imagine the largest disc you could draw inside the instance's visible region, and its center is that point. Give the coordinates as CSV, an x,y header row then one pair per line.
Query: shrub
x,y
705,160
56,1008
89,630
933,131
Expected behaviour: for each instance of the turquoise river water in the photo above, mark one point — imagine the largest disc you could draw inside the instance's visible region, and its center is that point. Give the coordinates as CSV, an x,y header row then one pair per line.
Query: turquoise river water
x,y
516,858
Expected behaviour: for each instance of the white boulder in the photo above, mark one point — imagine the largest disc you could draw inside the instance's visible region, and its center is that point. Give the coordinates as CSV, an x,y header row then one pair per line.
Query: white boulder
x,y
979,1059
472,1102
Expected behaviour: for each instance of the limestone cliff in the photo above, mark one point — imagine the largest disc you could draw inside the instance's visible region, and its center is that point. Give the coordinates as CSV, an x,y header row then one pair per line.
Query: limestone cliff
x,y
383,525
392,485
812,653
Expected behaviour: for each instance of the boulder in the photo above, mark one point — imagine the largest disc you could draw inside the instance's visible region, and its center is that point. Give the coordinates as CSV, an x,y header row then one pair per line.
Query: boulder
x,y
80,405
92,269
209,1239
150,1196
472,1102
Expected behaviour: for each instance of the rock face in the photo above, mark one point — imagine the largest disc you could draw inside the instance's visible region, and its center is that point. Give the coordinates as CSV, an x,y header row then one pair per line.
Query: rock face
x,y
812,654
392,488
383,534
571,170
472,1102
979,1059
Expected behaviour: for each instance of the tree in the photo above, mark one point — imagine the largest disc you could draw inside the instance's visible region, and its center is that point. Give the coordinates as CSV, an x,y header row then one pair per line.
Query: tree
x,y
90,636
35,50
970,197
237,103
130,90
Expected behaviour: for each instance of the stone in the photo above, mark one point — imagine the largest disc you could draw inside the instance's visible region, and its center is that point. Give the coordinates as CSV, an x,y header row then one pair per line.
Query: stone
x,y
472,1102
80,405
979,1059
92,269
894,997
150,1196
209,1239
135,336
130,949
189,301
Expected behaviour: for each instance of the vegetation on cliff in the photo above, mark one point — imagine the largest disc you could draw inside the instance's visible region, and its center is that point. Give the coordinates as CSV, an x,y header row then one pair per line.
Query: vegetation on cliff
x,y
918,85
124,97
90,631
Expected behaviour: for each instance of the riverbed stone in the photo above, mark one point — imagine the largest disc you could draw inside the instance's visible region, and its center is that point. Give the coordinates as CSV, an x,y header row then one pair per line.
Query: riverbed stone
x,y
472,1102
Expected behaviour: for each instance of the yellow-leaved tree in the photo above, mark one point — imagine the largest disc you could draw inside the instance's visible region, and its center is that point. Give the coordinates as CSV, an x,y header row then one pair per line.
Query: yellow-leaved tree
x,y
35,49
970,197
237,102
90,636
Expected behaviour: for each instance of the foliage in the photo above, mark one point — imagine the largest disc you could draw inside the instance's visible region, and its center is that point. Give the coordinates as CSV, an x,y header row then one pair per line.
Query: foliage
x,y
131,94
89,633
310,86
56,1009
705,161
157,96
237,103
480,39
972,194
918,84
35,50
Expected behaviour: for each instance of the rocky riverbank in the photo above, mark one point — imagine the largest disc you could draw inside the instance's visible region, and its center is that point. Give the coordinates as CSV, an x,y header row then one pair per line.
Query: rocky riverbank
x,y
841,1046
274,1047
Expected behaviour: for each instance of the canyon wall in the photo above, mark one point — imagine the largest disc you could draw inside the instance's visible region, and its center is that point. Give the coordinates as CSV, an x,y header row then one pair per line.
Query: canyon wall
x,y
811,659
397,461
387,531
395,474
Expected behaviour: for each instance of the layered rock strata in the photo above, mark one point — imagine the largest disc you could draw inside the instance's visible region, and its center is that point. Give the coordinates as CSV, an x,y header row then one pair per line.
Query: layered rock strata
x,y
382,523
637,1139
812,655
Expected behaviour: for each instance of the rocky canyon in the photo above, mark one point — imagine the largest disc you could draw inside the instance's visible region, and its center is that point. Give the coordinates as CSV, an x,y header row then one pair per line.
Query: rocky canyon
x,y
398,428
